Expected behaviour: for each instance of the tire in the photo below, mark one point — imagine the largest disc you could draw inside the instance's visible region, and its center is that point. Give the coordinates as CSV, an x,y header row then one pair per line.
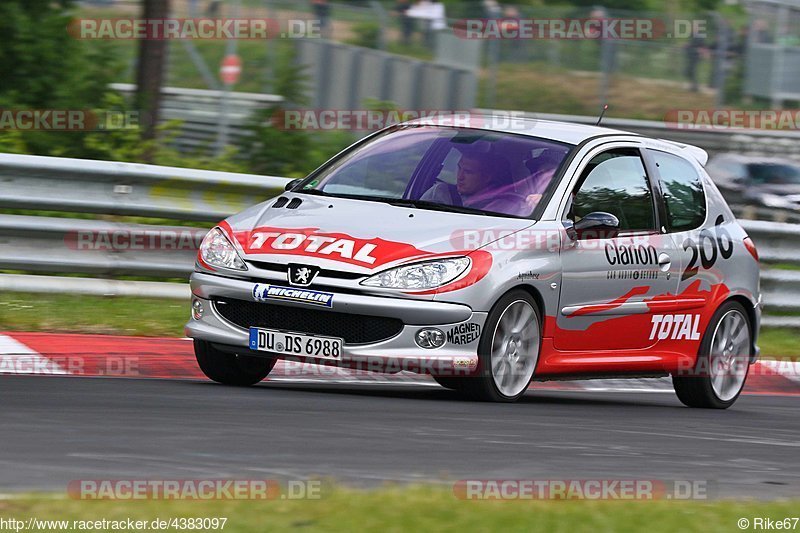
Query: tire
x,y
723,361
508,350
231,369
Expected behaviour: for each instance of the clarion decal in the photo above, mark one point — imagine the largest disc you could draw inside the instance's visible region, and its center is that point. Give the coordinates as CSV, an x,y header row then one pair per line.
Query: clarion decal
x,y
464,333
675,327
634,254
264,291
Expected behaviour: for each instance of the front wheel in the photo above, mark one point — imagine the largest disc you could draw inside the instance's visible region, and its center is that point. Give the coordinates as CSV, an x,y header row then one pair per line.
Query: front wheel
x,y
230,368
722,363
508,350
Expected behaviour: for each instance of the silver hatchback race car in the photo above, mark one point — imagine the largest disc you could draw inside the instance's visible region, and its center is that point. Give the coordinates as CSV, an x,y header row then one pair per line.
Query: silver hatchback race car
x,y
488,256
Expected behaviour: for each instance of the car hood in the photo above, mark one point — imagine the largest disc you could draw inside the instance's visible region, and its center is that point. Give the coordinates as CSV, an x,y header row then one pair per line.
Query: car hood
x,y
359,235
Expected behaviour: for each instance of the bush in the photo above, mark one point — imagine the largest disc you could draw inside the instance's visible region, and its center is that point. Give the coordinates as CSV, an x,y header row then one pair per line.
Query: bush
x,y
367,34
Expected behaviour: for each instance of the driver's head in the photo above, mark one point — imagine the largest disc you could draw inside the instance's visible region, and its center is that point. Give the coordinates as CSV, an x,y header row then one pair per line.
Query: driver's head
x,y
479,171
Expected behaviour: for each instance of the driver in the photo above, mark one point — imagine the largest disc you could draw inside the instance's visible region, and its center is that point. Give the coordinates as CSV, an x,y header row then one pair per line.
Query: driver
x,y
483,181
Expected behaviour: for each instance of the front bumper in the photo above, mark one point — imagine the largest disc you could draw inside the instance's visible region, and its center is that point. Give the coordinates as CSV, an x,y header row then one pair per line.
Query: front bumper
x,y
400,352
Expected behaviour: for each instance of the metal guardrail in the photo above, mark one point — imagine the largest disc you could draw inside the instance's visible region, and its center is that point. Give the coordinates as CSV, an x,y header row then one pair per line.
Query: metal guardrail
x,y
85,186
199,112
94,287
103,248
777,242
774,214
110,249
75,246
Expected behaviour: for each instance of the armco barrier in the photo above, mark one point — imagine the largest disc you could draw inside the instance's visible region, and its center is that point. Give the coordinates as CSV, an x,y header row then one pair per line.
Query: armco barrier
x,y
85,186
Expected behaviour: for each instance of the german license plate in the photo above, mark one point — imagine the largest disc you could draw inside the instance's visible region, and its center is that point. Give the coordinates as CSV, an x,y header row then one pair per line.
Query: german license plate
x,y
281,342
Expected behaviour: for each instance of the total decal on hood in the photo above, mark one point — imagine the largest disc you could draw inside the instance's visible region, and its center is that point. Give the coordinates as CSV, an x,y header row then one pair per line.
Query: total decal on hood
x,y
369,253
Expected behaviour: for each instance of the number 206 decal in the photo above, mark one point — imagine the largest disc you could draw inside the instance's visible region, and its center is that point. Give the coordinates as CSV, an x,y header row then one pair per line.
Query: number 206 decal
x,y
708,248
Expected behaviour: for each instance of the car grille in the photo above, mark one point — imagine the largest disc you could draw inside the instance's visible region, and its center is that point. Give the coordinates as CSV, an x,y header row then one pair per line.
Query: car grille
x,y
323,272
353,329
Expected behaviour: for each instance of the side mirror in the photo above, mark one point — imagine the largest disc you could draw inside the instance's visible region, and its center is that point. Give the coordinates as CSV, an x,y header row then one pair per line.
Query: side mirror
x,y
569,227
597,225
292,184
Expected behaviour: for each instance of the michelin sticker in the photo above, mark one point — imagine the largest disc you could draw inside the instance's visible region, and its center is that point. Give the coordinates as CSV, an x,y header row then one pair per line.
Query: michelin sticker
x,y
263,292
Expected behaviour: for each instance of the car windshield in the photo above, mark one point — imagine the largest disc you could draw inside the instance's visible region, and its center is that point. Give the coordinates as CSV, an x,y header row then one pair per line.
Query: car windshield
x,y
774,173
443,168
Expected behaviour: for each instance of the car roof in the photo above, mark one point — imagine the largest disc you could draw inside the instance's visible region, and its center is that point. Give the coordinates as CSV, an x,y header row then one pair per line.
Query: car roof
x,y
565,132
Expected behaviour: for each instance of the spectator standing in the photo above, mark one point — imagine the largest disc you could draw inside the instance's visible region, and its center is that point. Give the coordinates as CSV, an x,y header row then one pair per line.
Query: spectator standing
x,y
322,12
401,8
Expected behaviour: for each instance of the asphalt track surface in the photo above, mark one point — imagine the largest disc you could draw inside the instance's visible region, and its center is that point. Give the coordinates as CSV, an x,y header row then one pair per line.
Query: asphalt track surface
x,y
58,429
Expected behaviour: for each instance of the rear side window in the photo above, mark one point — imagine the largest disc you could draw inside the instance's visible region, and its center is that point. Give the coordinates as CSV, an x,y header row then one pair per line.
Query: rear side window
x,y
682,188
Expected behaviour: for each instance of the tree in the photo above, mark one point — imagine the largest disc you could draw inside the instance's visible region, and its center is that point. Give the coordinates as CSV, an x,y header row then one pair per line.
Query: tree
x,y
44,67
150,70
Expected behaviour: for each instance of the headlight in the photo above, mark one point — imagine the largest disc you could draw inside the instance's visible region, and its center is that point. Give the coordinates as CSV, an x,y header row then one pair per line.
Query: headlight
x,y
426,275
217,250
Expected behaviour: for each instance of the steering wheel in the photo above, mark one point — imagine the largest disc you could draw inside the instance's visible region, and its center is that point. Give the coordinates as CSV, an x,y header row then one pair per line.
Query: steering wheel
x,y
512,199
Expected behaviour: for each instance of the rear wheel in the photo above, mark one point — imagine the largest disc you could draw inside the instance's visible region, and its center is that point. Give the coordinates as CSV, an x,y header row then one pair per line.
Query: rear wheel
x,y
722,363
508,350
231,369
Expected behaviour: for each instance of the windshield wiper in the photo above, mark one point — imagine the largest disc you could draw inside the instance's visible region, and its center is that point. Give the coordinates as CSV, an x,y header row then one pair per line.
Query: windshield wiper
x,y
424,204
401,202
316,192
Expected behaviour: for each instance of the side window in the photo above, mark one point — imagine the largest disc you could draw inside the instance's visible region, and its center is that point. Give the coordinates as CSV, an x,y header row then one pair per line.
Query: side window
x,y
683,192
616,182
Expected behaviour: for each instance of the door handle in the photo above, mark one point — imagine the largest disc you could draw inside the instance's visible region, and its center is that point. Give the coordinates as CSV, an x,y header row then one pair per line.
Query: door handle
x,y
664,262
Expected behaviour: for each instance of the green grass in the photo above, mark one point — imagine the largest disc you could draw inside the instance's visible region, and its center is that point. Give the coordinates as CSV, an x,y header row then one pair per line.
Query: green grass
x,y
784,266
92,314
780,343
152,317
541,87
417,508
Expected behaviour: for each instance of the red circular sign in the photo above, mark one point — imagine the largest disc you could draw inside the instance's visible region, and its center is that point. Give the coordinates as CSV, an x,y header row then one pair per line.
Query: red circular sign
x,y
231,69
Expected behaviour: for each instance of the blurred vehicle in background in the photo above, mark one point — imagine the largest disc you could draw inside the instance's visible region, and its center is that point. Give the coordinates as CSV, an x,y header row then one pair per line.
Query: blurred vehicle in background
x,y
759,181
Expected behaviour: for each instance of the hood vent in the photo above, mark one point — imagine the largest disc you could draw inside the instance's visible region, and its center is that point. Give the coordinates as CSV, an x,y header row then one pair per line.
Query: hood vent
x,y
280,202
294,204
